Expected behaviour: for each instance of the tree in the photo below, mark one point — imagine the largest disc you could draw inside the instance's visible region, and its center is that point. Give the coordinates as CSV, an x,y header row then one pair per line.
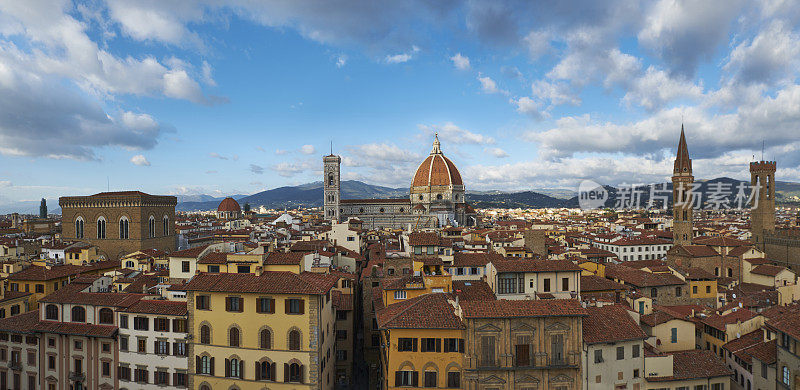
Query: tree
x,y
247,207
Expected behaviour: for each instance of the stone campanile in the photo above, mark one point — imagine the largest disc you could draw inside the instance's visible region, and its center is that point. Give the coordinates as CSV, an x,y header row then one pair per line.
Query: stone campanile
x,y
332,186
762,212
682,180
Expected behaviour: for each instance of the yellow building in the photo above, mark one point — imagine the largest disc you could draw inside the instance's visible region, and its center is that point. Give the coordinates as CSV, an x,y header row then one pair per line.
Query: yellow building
x,y
41,281
424,343
272,330
719,329
702,284
81,254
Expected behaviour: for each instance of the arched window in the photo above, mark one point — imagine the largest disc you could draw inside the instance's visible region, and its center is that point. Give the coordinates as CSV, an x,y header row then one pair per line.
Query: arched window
x,y
130,264
165,222
234,369
124,226
205,387
205,366
151,226
295,372
234,337
101,227
265,371
106,316
330,179
51,312
205,334
79,225
294,340
265,339
78,314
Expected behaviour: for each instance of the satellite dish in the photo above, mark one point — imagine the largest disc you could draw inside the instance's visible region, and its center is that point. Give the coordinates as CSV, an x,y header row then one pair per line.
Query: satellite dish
x,y
733,295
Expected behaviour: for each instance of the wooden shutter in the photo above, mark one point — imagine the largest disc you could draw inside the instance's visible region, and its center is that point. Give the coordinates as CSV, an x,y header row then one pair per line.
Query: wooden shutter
x,y
258,305
286,370
274,372
211,362
398,378
175,378
166,350
302,373
166,324
414,345
415,379
175,349
197,364
461,345
258,371
286,303
227,368
272,305
227,303
241,369
302,306
155,347
438,345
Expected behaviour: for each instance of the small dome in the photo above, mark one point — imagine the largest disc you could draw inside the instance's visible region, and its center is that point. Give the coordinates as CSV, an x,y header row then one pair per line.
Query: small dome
x,y
229,204
437,170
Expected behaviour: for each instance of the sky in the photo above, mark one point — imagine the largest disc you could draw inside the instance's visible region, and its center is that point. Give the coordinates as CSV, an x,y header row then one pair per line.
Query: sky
x,y
235,97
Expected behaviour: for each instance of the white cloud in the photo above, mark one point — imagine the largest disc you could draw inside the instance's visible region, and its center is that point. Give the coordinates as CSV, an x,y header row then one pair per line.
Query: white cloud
x,y
308,149
488,85
537,43
773,55
217,155
289,169
450,133
257,169
656,88
281,152
460,62
497,152
527,106
140,160
341,60
556,93
208,78
402,57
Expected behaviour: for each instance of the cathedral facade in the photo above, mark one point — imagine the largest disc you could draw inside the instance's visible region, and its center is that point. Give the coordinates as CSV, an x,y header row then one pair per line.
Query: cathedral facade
x,y
436,197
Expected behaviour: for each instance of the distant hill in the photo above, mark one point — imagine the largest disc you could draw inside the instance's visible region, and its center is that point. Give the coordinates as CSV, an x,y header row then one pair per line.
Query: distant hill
x,y
310,195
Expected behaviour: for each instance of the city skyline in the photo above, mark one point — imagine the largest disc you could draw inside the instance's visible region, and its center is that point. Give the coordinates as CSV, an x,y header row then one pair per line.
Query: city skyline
x,y
199,98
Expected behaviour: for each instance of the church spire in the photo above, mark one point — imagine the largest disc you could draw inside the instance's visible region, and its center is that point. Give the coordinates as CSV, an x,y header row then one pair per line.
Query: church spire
x,y
436,146
683,164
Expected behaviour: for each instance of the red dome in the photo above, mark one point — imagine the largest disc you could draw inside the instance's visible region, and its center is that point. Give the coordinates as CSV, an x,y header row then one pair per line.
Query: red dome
x,y
437,170
229,204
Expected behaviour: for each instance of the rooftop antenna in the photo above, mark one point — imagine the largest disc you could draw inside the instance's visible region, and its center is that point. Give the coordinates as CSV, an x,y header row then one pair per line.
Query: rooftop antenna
x,y
762,149
331,147
108,184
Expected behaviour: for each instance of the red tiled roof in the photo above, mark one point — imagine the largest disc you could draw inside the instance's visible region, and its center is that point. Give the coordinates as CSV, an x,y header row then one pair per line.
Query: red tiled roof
x,y
721,241
767,270
429,311
697,250
213,258
463,259
694,364
343,302
189,253
719,321
789,324
592,283
641,278
74,328
424,238
158,307
36,272
531,265
473,290
523,308
610,323
22,323
284,258
273,282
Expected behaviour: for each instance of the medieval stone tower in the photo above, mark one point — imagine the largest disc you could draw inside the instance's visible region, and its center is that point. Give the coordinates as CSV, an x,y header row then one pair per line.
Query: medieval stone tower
x,y
332,186
682,180
762,212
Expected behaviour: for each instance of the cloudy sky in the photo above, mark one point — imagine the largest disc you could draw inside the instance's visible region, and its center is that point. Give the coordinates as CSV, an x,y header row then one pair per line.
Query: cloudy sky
x,y
223,97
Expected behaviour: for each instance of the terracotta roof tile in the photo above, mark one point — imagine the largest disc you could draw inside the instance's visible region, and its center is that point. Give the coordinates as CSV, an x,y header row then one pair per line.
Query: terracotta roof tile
x,y
284,258
592,283
429,311
523,308
158,307
610,323
473,290
694,364
74,328
273,282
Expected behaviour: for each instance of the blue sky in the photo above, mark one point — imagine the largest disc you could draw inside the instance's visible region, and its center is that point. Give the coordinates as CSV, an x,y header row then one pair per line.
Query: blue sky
x,y
218,98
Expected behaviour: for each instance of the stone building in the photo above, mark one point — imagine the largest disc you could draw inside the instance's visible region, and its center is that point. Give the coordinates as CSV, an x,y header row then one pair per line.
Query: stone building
x,y
781,245
119,223
682,180
229,209
523,344
436,197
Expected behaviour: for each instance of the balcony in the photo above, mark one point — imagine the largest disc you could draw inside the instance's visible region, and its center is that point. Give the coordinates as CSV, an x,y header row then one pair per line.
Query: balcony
x,y
77,376
570,359
14,365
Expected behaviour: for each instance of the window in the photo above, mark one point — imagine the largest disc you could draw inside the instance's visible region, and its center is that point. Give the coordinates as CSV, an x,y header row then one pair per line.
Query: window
x,y
453,345
786,377
161,325
39,288
51,362
406,344
454,379
106,347
708,289
78,365
635,351
694,289
142,376
151,227
141,345
123,321
185,266
124,373
165,226
620,353
179,379
295,373
565,284
341,334
179,348
214,269
653,292
400,294
79,228
233,337
673,338
203,302
123,343
546,285
141,323
718,386
124,228
205,334
206,365
105,367
678,291
375,340
234,367
101,227
243,269
51,312
265,371
636,373
764,370
430,379
294,340
294,306
233,304
487,351
406,378
341,315
431,345
78,314
106,316
161,378
598,355
265,339
162,347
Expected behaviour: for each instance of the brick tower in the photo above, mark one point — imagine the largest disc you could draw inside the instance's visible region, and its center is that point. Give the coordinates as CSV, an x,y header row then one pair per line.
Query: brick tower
x,y
331,186
762,212
682,180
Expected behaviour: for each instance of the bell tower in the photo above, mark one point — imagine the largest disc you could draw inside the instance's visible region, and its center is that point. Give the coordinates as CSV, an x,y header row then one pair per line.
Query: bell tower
x,y
331,186
682,180
762,206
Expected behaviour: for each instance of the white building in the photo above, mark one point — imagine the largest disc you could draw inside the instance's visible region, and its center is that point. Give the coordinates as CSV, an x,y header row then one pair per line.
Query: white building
x,y
614,349
152,345
635,248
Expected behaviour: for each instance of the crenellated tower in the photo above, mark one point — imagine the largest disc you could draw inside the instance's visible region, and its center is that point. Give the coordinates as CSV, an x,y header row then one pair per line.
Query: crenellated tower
x,y
682,180
332,186
762,211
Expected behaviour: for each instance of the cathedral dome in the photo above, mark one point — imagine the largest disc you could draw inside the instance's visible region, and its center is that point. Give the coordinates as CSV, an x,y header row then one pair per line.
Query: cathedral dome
x,y
437,170
229,204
